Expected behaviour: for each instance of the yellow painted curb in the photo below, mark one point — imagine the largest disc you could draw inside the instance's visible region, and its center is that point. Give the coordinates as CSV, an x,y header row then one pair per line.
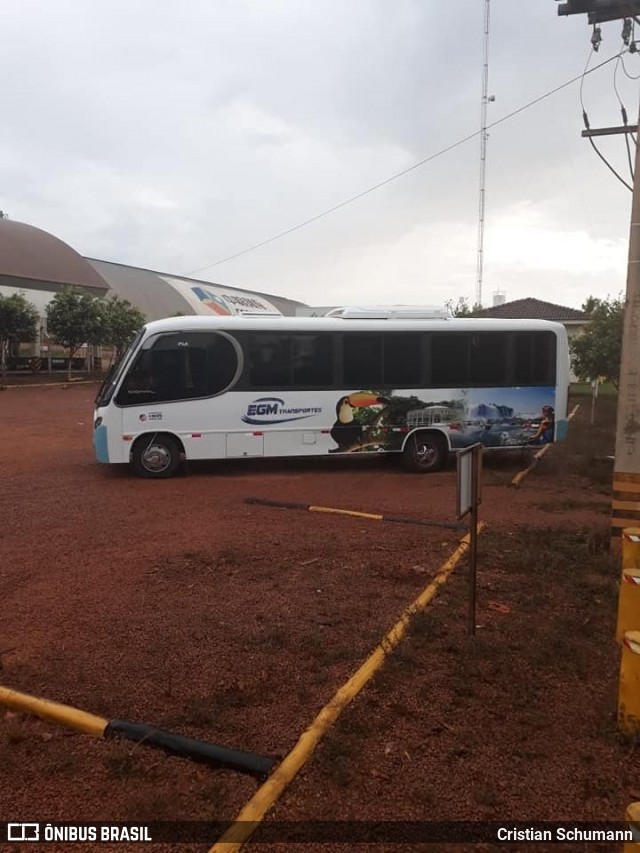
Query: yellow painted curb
x,y
632,819
54,712
629,685
248,820
628,603
519,477
352,512
630,547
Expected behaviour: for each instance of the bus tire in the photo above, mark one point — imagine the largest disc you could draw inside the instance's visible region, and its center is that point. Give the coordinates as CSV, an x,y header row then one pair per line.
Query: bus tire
x,y
424,452
156,457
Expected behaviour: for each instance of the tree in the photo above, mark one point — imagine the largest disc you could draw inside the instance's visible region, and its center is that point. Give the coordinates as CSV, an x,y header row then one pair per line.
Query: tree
x,y
18,323
74,318
120,322
597,352
461,308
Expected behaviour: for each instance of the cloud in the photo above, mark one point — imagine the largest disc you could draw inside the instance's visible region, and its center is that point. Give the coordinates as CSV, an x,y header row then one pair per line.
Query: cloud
x,y
525,237
172,138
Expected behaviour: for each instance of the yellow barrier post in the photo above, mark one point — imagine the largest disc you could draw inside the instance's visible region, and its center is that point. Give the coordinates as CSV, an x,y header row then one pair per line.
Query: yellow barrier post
x,y
628,603
631,548
629,687
53,712
632,819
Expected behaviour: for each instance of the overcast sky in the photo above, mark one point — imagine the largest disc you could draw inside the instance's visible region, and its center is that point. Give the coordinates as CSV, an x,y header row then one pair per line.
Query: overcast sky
x,y
169,136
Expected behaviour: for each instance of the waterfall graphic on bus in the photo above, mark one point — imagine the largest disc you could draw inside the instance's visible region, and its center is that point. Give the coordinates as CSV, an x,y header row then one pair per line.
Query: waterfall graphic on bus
x,y
497,417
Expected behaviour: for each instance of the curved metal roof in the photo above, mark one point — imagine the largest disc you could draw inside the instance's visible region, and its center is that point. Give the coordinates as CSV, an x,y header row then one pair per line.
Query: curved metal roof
x,y
37,257
34,260
155,295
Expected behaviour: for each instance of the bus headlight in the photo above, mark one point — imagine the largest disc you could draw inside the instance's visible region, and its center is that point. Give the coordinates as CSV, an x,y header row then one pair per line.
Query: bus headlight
x,y
97,423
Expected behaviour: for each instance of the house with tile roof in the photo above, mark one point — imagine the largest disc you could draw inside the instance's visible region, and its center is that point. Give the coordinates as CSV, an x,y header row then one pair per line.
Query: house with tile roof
x,y
572,319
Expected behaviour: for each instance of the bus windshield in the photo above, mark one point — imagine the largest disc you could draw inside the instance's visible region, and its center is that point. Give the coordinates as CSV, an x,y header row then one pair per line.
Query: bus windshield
x,y
115,372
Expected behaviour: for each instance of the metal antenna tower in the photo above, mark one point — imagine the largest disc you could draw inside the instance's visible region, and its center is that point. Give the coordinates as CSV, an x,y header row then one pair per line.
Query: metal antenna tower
x,y
483,149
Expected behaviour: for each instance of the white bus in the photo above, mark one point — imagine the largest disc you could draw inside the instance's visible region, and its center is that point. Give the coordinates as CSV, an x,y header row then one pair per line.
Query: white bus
x,y
239,387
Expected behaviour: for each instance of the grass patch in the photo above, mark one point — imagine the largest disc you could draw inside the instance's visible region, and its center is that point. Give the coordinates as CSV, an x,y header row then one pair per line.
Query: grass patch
x,y
583,389
337,754
152,806
486,794
209,712
191,564
62,764
120,761
587,446
574,503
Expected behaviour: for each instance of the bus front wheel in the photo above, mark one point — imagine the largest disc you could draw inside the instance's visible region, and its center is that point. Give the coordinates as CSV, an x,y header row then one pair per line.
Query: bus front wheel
x,y
156,456
424,452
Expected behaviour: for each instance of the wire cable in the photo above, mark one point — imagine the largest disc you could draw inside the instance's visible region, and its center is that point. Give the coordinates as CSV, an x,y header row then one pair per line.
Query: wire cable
x,y
615,85
608,165
584,74
624,117
403,172
629,158
585,119
630,76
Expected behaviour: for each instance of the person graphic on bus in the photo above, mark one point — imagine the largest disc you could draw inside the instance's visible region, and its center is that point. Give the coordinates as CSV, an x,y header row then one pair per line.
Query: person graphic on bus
x,y
546,428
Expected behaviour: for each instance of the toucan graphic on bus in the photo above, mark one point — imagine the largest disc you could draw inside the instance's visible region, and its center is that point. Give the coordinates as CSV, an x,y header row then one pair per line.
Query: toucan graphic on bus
x,y
346,431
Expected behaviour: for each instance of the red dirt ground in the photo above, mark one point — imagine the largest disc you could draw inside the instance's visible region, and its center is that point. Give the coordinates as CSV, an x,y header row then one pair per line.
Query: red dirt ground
x,y
178,604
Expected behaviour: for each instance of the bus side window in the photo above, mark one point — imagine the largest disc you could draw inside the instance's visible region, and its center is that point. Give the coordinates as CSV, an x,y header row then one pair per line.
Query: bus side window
x,y
269,360
403,363
312,360
180,366
362,360
535,359
450,359
221,364
489,358
544,358
170,369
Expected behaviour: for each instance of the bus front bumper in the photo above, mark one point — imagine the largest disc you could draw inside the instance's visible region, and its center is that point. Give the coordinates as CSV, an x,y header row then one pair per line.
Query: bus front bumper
x,y
100,443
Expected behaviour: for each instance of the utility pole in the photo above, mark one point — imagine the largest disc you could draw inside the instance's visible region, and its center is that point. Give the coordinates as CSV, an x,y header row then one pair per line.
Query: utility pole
x,y
483,149
625,515
626,478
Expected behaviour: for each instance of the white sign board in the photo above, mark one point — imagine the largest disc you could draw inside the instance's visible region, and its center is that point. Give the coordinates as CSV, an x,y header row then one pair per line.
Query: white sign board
x,y
469,477
464,493
212,299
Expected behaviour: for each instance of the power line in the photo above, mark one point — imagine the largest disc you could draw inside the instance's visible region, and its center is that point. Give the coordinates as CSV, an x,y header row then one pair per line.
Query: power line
x,y
403,172
584,74
622,107
623,112
608,165
630,76
585,116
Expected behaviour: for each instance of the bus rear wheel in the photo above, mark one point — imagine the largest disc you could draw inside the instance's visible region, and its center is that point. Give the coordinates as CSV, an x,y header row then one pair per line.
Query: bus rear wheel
x,y
156,457
424,452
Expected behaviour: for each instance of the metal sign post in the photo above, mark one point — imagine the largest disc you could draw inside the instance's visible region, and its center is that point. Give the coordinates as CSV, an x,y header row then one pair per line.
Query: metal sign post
x,y
468,498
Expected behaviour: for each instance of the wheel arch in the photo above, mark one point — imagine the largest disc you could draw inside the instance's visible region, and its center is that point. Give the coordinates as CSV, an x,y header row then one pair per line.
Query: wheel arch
x,y
157,433
432,430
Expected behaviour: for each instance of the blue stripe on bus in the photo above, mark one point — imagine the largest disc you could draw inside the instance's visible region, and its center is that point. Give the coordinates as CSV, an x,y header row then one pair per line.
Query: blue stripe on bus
x,y
100,444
